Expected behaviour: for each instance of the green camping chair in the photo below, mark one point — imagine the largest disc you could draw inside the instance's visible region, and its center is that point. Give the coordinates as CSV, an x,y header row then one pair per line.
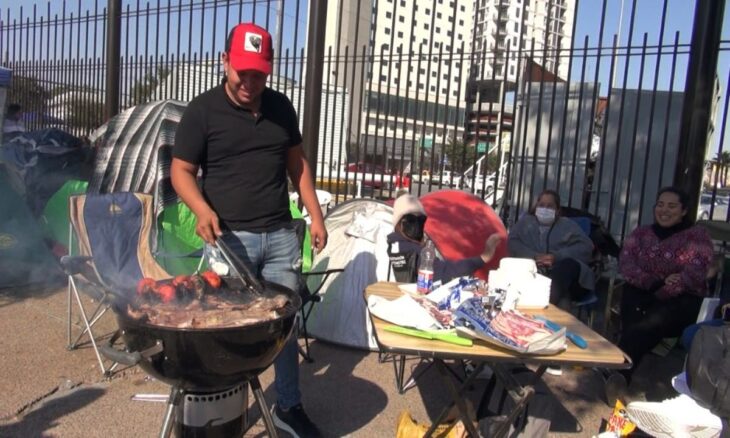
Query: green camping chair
x,y
110,233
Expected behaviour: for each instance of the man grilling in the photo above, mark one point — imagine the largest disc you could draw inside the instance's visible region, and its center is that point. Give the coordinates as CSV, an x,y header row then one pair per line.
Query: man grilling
x,y
245,137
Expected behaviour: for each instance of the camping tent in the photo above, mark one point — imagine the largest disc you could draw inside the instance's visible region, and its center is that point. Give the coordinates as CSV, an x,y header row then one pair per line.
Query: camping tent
x,y
134,152
40,162
357,242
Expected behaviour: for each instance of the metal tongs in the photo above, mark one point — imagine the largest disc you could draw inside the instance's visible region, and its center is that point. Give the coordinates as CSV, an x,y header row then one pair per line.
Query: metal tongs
x,y
239,268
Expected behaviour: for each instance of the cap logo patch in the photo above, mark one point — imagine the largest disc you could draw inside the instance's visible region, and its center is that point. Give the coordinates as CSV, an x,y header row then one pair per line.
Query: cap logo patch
x,y
252,42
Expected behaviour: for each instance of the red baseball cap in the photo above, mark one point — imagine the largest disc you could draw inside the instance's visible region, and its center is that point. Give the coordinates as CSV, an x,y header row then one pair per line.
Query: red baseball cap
x,y
249,48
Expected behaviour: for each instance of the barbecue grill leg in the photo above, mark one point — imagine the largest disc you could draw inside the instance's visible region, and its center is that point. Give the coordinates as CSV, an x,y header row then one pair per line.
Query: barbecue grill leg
x,y
263,407
173,401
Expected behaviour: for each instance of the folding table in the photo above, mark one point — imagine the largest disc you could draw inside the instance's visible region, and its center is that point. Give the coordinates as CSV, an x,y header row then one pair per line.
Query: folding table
x,y
600,353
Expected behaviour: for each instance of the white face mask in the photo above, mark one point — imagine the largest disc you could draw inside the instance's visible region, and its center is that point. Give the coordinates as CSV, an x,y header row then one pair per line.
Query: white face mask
x,y
545,216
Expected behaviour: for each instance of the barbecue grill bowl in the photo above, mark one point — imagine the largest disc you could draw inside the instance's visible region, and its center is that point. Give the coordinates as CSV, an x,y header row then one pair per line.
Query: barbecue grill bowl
x,y
213,358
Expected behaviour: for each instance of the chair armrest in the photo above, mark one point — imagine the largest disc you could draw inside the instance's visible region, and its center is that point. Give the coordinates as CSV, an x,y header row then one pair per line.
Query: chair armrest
x,y
326,274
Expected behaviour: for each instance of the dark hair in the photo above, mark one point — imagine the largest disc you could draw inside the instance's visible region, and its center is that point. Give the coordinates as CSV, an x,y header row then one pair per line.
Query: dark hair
x,y
13,109
683,198
229,39
550,192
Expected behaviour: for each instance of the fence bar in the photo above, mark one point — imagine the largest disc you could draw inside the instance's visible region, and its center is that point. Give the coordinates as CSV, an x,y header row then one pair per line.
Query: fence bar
x,y
114,41
651,110
697,105
313,86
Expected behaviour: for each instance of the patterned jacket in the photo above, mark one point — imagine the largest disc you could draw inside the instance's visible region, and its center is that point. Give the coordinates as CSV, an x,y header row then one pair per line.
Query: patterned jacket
x,y
646,261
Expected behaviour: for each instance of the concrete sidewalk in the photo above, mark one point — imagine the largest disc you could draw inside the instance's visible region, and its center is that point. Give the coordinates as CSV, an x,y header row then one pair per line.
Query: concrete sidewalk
x,y
49,391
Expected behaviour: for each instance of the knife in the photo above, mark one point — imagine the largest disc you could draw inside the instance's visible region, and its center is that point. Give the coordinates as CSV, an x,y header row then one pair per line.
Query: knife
x,y
444,336
574,338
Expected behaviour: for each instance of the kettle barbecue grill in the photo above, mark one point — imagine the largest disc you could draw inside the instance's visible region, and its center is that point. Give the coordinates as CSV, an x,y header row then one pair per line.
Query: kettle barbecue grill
x,y
208,368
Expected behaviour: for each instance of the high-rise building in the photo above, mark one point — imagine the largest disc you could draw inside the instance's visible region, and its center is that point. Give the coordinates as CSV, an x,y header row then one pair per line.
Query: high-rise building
x,y
505,27
414,70
407,60
508,33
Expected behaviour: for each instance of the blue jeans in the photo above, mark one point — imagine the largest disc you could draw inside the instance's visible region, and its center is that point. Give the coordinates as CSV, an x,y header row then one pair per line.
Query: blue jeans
x,y
275,257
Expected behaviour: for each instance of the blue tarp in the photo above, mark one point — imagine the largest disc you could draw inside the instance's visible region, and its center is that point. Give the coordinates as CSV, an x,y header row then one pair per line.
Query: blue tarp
x,y
40,162
5,77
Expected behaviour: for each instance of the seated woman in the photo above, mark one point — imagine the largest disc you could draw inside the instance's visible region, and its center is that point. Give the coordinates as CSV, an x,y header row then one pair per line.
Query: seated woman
x,y
559,246
665,266
406,241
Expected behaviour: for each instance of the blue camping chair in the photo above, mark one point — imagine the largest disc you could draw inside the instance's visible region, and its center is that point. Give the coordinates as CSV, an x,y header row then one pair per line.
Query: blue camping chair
x,y
109,233
585,307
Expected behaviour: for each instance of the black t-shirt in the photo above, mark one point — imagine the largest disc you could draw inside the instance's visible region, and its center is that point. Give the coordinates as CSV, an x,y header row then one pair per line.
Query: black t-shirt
x,y
243,158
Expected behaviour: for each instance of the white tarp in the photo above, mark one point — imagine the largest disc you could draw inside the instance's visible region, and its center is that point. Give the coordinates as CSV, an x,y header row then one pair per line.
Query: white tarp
x,y
357,243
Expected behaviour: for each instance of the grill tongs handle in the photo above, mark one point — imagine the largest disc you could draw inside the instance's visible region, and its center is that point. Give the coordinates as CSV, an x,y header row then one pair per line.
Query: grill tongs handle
x,y
239,268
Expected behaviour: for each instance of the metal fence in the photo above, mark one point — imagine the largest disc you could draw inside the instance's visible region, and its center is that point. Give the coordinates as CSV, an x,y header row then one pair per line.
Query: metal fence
x,y
499,97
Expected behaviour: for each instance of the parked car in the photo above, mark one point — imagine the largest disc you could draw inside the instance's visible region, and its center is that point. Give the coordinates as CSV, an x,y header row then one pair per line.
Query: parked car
x,y
447,179
480,185
719,213
372,175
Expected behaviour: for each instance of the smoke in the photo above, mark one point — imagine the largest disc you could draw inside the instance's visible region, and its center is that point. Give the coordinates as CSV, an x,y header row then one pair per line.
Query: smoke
x,y
37,165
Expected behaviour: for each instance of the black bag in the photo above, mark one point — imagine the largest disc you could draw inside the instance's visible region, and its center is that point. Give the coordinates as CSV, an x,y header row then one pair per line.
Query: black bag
x,y
708,369
404,265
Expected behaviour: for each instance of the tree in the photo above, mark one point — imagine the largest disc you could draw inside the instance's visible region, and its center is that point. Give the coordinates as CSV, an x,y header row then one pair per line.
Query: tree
x,y
143,89
459,154
462,155
722,165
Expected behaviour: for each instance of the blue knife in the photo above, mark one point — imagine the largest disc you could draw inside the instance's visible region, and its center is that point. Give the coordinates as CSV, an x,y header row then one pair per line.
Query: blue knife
x,y
574,338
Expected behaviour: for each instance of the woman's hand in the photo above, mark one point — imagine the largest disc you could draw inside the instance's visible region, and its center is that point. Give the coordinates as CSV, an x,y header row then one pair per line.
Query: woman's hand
x,y
490,246
672,279
545,260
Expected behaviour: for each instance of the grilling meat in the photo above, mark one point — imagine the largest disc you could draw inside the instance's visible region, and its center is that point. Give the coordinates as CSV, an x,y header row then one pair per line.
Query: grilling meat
x,y
197,301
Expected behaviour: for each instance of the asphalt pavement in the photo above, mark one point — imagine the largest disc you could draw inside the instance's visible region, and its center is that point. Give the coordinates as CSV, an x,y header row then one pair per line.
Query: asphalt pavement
x,y
51,392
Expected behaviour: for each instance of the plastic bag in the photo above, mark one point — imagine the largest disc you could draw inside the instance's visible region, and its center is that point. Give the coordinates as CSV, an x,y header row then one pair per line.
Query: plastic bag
x,y
409,428
619,422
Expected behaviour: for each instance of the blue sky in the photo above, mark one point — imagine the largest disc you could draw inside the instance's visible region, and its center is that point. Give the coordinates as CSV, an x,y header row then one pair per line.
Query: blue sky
x,y
679,18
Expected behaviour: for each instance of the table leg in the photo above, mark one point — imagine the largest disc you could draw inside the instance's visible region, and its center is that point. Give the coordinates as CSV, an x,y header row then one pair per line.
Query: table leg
x,y
399,365
520,395
457,395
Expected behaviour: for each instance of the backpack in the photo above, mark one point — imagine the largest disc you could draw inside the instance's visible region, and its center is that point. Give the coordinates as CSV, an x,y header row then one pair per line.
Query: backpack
x,y
708,369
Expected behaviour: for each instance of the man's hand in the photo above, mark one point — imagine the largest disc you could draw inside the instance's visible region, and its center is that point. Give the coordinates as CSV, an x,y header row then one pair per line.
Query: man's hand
x,y
490,246
318,235
545,260
672,279
208,227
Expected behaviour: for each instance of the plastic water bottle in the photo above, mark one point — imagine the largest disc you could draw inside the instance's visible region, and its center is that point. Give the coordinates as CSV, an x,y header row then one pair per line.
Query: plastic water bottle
x,y
424,283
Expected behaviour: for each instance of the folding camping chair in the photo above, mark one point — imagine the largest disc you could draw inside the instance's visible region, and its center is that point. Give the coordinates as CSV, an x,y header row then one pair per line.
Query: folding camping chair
x,y
603,247
309,297
111,232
